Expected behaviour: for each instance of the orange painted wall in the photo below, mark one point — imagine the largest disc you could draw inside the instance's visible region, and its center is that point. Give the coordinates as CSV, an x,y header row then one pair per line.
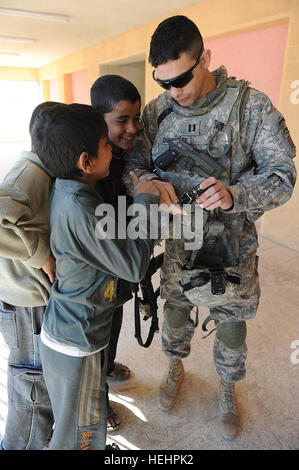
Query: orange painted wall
x,y
53,89
80,87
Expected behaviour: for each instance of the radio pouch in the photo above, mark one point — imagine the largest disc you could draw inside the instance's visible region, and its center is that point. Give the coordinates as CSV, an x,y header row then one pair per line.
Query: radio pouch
x,y
210,284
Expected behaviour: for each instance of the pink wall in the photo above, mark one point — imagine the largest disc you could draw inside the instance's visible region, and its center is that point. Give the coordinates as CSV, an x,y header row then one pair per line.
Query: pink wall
x,y
80,87
256,56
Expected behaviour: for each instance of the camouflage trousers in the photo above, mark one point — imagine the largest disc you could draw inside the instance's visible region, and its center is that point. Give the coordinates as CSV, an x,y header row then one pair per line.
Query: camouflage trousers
x,y
178,327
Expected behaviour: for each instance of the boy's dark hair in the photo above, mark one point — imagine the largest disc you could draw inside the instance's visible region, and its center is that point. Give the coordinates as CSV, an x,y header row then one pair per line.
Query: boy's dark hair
x,y
109,90
38,109
173,36
62,132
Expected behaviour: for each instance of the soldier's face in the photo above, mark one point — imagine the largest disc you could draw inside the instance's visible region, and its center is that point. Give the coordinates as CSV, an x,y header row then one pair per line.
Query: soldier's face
x,y
196,88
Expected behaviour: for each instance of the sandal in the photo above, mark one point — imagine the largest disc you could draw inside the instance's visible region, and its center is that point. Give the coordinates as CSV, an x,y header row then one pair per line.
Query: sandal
x,y
112,418
121,373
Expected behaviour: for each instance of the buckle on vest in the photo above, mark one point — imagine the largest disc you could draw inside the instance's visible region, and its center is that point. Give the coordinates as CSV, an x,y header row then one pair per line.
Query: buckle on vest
x,y
217,281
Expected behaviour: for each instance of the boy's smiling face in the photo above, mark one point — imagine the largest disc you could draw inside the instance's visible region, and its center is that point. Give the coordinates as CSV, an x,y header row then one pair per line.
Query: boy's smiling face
x,y
123,123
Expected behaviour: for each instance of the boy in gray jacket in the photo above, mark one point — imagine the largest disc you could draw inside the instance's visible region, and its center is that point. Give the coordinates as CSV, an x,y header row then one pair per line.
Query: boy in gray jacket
x,y
71,140
27,271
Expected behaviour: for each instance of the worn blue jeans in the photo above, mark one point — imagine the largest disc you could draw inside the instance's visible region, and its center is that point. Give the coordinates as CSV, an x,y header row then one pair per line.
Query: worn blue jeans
x,y
30,418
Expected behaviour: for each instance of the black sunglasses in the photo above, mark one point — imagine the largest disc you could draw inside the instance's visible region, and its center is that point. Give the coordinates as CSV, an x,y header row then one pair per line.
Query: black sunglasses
x,y
181,80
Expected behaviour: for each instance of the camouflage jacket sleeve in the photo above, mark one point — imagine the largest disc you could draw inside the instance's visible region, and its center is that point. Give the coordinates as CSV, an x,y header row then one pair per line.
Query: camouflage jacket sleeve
x,y
264,135
139,158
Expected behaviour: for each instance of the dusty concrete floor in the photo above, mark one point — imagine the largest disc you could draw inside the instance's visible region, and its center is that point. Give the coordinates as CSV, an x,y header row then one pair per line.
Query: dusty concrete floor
x,y
267,398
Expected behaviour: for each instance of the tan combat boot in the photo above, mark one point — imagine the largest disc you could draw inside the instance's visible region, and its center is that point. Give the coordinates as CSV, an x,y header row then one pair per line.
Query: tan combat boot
x,y
229,418
170,384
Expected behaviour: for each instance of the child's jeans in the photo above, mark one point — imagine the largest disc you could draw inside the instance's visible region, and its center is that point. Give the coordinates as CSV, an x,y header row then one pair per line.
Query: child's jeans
x,y
30,419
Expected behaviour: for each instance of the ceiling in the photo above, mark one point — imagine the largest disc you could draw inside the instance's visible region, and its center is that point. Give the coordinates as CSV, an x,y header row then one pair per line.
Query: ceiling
x,y
91,21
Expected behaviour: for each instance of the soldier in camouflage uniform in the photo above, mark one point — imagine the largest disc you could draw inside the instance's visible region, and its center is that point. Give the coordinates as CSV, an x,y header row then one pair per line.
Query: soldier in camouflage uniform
x,y
239,128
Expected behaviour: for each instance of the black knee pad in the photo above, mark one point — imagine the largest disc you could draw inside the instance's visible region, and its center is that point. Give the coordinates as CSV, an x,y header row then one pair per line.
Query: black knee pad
x,y
232,333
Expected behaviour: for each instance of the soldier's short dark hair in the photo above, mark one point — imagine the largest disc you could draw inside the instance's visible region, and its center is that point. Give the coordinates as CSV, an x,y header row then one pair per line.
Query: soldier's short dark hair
x,y
109,90
173,36
61,133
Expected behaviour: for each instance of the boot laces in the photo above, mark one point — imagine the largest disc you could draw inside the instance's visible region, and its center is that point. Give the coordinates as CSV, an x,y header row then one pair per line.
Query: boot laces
x,y
173,371
228,392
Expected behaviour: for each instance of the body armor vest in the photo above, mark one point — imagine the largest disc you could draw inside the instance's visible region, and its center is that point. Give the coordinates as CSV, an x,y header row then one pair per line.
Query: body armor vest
x,y
215,130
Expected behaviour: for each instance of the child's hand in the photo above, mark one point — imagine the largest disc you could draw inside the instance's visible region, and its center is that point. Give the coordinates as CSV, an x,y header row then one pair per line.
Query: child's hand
x,y
164,190
50,268
144,186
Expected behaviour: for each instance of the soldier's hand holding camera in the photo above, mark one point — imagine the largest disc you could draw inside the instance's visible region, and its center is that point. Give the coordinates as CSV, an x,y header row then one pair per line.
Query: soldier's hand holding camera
x,y
217,195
